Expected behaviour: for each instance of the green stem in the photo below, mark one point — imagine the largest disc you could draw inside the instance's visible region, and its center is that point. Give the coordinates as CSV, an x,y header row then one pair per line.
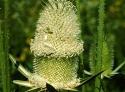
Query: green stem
x,y
100,45
78,7
5,69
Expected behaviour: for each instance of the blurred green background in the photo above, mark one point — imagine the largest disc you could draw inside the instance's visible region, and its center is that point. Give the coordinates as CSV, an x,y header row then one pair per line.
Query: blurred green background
x,y
23,15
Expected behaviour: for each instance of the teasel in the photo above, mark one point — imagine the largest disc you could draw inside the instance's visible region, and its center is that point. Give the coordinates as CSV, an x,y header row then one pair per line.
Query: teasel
x,y
56,47
57,44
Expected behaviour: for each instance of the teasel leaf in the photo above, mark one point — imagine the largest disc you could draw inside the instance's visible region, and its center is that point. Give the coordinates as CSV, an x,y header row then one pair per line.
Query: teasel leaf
x,y
108,55
106,60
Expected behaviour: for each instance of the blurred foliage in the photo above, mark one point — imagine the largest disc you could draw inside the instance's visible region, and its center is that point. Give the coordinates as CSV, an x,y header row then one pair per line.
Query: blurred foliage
x,y
23,15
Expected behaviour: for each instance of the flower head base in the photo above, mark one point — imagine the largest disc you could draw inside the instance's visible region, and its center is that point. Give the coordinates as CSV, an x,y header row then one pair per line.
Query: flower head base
x,y
59,72
58,31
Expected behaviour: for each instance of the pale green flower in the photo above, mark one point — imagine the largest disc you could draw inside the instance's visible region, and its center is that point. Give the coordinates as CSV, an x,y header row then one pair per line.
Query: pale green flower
x,y
59,72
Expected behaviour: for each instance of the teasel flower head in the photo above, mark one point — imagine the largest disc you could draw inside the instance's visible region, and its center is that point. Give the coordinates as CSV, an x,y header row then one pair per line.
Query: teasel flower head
x,y
57,44
58,31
